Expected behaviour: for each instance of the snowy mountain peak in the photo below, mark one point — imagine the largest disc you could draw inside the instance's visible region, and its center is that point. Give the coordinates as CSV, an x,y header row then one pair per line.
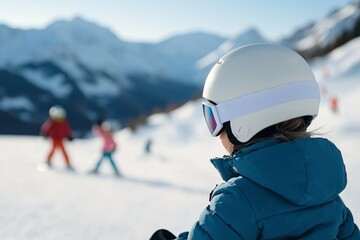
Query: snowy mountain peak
x,y
325,31
345,12
193,43
82,30
249,36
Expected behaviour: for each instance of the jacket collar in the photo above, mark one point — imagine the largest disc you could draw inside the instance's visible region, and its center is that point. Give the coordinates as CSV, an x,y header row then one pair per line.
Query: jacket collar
x,y
305,171
224,164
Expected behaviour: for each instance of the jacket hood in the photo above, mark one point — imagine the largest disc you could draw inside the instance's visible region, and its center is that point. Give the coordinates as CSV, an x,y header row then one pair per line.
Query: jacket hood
x,y
306,171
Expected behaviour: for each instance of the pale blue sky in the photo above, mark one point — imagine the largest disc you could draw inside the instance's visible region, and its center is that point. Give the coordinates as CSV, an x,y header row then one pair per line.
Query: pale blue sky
x,y
154,20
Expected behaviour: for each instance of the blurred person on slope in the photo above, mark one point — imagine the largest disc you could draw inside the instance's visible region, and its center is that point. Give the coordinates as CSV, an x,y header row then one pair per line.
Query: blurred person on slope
x,y
334,104
58,129
148,146
280,182
104,130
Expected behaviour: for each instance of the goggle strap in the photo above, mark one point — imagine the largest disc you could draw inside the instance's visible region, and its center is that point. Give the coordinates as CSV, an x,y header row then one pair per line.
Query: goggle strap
x,y
268,98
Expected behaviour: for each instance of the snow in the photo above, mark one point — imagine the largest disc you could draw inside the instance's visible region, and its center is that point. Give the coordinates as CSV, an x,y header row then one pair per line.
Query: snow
x,y
166,189
8,103
102,87
54,84
78,46
327,29
342,62
170,184
248,37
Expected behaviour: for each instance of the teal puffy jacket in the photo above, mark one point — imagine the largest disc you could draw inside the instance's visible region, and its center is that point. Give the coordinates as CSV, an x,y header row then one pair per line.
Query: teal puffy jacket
x,y
278,190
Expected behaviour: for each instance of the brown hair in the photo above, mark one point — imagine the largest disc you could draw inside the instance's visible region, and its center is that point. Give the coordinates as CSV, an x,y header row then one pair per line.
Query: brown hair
x,y
285,131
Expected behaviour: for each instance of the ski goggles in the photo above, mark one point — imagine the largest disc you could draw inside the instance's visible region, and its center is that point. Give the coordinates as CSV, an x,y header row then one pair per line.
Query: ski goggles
x,y
212,118
217,114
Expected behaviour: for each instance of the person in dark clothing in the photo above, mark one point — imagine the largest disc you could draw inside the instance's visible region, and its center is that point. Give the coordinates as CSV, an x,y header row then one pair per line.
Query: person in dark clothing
x,y
148,145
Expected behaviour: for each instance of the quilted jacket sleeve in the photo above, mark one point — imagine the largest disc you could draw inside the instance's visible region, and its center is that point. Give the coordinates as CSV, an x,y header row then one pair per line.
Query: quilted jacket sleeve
x,y
348,230
228,216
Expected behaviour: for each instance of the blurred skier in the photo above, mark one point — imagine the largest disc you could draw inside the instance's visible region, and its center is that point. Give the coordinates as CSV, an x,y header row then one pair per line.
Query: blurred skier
x,y
148,145
58,129
324,91
104,130
334,104
280,182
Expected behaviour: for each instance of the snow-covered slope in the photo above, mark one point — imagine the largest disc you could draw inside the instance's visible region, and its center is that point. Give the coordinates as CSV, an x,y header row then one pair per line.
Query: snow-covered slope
x,y
343,62
325,31
165,189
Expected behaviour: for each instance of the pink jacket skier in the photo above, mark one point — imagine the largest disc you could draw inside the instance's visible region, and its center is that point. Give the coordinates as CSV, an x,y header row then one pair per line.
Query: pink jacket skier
x,y
107,136
104,131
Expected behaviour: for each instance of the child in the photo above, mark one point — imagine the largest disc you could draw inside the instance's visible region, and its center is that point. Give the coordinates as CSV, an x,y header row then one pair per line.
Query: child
x,y
104,130
280,183
57,128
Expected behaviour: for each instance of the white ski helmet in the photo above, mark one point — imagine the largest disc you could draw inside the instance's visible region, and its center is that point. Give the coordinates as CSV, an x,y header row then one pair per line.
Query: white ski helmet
x,y
57,112
106,126
257,86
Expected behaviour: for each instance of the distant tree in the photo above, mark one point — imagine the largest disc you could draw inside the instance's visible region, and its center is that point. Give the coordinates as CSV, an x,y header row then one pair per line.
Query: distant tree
x,y
344,37
356,32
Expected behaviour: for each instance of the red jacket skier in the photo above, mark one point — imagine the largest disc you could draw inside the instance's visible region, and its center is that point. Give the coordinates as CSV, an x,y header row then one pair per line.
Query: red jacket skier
x,y
334,104
57,128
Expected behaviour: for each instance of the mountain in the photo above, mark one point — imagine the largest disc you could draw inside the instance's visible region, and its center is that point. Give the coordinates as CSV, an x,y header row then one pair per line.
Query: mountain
x,y
249,36
27,92
183,51
77,44
96,75
93,74
319,38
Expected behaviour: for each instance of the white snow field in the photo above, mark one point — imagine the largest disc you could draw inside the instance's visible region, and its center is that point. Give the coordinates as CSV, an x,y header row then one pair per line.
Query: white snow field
x,y
167,189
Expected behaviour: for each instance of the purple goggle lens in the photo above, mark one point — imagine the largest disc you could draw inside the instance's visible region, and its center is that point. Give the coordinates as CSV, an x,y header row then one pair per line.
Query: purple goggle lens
x,y
211,119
